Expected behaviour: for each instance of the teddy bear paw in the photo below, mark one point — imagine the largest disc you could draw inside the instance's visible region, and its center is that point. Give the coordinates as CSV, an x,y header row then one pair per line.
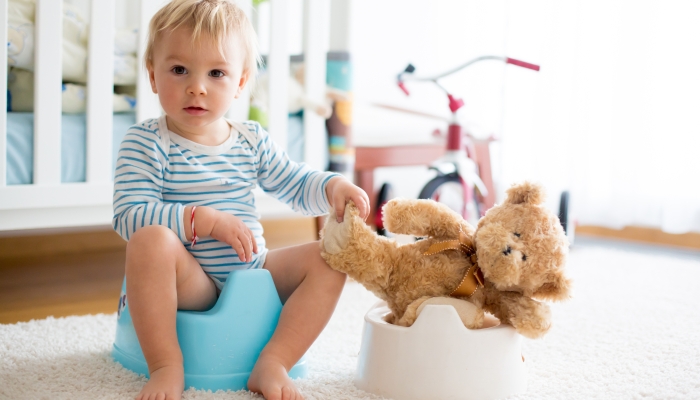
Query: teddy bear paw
x,y
336,235
533,324
533,331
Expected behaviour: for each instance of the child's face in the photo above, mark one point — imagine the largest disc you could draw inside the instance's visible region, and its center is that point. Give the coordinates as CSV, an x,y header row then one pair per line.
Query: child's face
x,y
195,83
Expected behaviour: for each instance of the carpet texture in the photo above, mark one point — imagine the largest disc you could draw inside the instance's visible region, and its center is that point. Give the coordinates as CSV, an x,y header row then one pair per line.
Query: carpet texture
x,y
632,331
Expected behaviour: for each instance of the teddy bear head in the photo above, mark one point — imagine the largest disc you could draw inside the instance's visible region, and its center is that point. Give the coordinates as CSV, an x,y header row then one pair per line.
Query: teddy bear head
x,y
522,247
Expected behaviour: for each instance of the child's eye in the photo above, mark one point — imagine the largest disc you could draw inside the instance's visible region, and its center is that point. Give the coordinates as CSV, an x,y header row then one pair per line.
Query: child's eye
x,y
217,73
179,70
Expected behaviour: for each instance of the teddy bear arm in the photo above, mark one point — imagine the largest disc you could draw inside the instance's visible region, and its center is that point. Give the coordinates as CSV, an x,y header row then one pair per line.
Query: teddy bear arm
x,y
422,218
529,317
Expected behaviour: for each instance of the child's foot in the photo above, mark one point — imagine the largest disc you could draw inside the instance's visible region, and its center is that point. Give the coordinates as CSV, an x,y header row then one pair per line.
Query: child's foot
x,y
270,378
166,383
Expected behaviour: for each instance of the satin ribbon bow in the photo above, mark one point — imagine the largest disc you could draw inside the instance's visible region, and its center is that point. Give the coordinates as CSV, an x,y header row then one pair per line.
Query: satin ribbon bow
x,y
473,278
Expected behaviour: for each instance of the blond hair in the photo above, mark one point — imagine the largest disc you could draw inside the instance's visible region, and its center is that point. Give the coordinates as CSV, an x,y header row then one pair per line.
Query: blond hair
x,y
217,18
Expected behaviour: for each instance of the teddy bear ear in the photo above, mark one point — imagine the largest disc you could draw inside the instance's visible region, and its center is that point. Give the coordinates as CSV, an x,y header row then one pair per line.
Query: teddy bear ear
x,y
526,192
557,288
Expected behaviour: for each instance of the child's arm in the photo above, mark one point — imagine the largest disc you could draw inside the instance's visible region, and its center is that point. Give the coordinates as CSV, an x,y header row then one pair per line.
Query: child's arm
x,y
302,188
138,183
138,199
223,227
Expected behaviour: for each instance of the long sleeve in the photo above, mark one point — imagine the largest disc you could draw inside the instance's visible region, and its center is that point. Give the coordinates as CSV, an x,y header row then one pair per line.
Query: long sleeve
x,y
297,185
138,184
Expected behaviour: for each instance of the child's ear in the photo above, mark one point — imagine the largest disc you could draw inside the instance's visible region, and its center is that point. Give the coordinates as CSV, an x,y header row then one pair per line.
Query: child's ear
x,y
152,77
241,83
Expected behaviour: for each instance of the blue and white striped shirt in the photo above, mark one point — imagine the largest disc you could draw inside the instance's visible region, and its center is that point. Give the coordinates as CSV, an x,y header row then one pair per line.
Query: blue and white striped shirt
x,y
159,173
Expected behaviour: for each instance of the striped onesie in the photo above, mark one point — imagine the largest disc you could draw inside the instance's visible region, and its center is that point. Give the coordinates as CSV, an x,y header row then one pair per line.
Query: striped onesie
x,y
159,173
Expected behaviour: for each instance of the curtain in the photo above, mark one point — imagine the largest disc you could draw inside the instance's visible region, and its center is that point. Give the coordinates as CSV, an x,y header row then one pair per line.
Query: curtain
x,y
613,114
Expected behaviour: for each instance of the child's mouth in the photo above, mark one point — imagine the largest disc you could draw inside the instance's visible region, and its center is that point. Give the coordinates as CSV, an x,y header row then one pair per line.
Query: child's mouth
x,y
195,110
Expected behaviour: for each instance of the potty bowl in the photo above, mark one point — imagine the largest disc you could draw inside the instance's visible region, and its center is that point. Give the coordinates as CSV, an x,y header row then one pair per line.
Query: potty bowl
x,y
219,346
438,358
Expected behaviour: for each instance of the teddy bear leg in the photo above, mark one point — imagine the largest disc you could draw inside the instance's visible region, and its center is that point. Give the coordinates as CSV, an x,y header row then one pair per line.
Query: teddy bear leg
x,y
389,318
409,316
471,316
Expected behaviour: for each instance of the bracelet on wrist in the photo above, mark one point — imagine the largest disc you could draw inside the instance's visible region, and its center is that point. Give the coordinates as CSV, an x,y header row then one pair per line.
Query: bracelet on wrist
x,y
194,232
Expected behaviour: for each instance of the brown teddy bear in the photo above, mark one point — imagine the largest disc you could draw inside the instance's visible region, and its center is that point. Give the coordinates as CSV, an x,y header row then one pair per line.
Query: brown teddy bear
x,y
515,257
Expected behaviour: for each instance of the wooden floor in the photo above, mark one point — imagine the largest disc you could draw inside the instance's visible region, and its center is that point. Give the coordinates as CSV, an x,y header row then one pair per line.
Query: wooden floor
x,y
690,240
43,276
82,273
60,285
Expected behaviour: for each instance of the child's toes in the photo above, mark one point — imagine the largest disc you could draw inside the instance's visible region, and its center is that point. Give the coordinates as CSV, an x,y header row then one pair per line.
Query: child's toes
x,y
291,393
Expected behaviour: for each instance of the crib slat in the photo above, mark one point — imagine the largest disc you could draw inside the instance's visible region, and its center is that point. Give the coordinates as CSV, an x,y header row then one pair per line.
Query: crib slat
x,y
99,91
147,105
278,68
47,92
3,96
317,15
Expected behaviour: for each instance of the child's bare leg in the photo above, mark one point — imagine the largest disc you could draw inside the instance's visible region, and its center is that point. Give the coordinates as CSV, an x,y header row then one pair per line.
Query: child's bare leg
x,y
161,277
309,289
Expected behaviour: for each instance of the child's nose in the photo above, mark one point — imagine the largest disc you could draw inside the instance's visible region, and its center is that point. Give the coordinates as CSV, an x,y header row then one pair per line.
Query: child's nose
x,y
196,88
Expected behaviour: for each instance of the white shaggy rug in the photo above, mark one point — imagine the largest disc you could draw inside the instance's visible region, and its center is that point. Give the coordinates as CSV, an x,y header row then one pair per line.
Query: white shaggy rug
x,y
632,331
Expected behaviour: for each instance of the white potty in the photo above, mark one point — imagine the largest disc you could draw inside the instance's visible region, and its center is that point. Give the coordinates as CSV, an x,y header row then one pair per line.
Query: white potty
x,y
438,358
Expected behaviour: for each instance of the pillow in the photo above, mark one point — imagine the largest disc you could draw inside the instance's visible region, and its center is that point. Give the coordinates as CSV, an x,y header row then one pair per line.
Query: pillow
x,y
21,39
73,96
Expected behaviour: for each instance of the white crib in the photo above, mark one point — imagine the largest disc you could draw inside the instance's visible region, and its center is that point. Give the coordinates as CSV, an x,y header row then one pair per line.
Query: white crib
x,y
48,203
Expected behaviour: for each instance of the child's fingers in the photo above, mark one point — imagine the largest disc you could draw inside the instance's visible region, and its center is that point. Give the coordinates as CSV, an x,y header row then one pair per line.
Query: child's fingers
x,y
247,246
362,204
238,246
252,239
339,206
364,208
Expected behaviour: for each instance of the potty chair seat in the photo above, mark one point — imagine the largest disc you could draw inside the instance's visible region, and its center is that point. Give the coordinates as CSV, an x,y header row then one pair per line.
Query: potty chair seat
x,y
438,358
219,346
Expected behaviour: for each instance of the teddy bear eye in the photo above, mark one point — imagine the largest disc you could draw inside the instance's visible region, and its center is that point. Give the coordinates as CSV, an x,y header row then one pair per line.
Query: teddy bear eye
x,y
506,251
524,257
516,234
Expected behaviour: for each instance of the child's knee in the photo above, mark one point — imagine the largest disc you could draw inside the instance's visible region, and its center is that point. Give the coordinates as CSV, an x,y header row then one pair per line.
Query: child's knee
x,y
152,239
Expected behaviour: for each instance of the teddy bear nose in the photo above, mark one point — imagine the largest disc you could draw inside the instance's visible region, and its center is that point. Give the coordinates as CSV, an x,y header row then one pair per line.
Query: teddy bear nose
x,y
506,251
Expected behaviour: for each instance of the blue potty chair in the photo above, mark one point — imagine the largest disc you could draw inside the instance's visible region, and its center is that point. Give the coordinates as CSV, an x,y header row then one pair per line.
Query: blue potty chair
x,y
219,346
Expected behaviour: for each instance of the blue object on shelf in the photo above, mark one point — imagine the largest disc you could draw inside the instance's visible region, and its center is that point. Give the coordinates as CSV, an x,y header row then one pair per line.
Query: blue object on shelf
x,y
219,346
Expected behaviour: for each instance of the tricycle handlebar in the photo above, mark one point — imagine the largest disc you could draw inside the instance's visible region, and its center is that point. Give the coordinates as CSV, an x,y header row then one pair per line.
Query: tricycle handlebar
x,y
407,73
522,64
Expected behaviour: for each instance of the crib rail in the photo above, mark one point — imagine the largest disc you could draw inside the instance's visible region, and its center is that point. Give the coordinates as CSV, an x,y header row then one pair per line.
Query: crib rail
x,y
48,53
48,203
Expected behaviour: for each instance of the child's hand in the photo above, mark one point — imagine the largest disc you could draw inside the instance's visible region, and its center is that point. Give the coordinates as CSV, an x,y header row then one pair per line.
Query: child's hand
x,y
340,190
232,230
